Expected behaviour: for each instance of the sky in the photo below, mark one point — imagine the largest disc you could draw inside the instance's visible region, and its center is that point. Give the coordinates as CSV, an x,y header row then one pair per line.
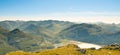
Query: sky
x,y
66,10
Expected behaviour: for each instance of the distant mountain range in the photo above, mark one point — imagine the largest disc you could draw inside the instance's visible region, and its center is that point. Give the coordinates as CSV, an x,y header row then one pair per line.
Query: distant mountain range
x,y
40,35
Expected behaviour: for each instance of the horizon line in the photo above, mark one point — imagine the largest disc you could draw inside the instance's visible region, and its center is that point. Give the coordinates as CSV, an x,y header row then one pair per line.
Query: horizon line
x,y
58,20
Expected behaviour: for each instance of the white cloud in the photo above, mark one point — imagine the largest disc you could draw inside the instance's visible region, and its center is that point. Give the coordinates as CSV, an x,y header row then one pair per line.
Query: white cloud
x,y
106,17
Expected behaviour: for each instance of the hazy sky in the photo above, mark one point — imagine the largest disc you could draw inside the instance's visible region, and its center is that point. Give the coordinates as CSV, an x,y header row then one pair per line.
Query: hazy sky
x,y
71,10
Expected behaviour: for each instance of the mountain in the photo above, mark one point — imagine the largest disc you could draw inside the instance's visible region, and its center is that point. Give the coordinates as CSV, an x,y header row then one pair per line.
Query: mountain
x,y
41,35
110,27
54,30
48,27
10,25
4,46
90,33
32,29
81,31
18,40
28,42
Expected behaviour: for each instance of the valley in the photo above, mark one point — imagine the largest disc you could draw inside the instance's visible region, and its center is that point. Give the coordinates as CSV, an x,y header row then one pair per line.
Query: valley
x,y
33,36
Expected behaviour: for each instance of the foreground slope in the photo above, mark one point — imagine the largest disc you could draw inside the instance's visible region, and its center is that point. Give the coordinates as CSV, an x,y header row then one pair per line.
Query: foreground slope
x,y
72,49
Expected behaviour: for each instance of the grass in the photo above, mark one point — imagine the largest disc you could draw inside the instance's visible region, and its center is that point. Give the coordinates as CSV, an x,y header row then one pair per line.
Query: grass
x,y
70,49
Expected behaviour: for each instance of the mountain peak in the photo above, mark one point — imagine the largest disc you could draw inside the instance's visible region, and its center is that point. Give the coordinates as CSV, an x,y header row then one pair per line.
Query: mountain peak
x,y
15,31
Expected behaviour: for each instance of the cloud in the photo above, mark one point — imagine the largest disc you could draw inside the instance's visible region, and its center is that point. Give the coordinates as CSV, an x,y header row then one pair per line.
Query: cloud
x,y
106,17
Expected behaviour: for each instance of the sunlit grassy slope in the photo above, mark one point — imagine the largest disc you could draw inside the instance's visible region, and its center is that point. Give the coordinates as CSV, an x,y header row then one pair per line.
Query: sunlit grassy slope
x,y
72,49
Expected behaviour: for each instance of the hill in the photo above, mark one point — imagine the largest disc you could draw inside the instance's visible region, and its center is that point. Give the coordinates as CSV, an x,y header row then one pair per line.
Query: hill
x,y
42,35
71,49
18,40
90,33
4,46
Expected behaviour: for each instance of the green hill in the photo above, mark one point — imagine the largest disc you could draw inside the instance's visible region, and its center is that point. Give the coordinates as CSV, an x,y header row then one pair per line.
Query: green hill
x,y
18,40
90,33
71,49
4,46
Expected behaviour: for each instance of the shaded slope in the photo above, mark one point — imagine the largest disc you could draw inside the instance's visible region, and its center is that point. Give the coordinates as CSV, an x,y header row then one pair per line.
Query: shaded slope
x,y
90,33
10,25
23,41
4,45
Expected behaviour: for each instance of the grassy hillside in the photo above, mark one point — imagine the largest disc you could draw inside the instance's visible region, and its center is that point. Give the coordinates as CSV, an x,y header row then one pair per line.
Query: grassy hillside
x,y
71,49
